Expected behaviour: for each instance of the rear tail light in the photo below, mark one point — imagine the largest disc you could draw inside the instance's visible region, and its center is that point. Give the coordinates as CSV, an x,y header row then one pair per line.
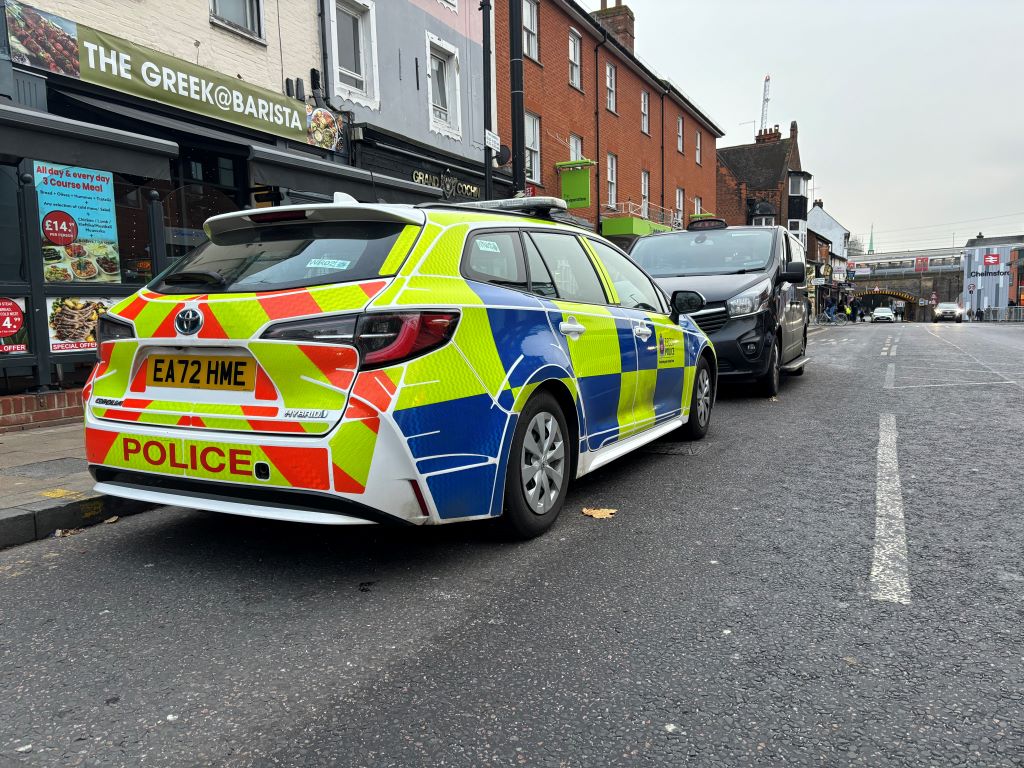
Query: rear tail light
x,y
382,338
272,216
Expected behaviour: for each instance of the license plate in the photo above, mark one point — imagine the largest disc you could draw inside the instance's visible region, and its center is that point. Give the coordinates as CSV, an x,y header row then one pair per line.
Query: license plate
x,y
202,372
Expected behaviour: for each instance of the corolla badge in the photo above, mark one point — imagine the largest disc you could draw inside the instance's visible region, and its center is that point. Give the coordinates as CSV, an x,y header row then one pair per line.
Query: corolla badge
x,y
188,321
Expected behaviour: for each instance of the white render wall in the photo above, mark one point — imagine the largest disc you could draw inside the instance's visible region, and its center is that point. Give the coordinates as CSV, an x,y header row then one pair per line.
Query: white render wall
x,y
173,26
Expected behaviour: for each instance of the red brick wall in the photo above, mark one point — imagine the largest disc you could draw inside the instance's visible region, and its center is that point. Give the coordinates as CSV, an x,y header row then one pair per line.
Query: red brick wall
x,y
564,110
732,197
24,411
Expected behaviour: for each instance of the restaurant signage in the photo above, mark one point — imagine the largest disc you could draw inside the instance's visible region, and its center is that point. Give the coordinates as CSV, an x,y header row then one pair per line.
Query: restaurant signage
x,y
448,183
55,44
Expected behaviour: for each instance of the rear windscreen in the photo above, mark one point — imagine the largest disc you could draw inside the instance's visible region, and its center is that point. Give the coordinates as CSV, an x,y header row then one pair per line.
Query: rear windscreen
x,y
283,256
713,252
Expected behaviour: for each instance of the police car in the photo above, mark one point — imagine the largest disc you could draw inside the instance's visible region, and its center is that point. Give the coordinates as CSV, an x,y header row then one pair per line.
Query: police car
x,y
348,363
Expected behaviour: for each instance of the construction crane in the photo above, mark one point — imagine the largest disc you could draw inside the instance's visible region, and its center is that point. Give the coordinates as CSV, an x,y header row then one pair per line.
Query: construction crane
x,y
764,102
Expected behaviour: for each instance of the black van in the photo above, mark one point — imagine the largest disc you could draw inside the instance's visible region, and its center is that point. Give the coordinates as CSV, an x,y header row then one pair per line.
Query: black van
x,y
753,310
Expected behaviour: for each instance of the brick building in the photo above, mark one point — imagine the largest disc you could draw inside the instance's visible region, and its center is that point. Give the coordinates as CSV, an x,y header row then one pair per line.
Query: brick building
x,y
764,182
588,96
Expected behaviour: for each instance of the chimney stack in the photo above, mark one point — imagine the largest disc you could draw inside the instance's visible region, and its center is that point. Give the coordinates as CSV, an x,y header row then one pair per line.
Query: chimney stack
x,y
792,130
618,20
768,136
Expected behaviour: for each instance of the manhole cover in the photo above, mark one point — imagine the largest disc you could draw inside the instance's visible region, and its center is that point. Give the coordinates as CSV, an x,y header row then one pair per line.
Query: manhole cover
x,y
41,470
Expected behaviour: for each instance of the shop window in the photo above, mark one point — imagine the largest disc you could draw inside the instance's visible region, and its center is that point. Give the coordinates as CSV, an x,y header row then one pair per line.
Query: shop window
x,y
354,51
445,106
12,266
94,226
206,185
245,15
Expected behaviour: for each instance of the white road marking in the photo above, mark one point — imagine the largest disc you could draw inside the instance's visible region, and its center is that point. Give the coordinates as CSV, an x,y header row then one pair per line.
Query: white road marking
x,y
892,352
968,354
960,384
890,376
890,580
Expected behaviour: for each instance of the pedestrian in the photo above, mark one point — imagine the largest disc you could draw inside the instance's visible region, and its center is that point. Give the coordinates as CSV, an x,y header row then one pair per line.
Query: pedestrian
x,y
830,307
854,310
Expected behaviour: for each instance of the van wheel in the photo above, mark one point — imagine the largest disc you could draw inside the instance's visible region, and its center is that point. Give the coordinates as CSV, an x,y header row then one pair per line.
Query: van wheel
x,y
701,402
768,384
539,465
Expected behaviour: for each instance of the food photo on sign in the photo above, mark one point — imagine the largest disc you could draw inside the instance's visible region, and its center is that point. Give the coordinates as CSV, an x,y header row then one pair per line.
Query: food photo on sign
x,y
72,321
13,328
78,224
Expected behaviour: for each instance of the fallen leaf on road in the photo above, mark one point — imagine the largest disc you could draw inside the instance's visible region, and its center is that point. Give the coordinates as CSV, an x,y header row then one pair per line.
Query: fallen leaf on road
x,y
773,399
62,533
599,514
113,519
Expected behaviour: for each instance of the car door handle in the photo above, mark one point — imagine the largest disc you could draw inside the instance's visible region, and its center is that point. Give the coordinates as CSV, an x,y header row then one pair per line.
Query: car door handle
x,y
571,328
643,332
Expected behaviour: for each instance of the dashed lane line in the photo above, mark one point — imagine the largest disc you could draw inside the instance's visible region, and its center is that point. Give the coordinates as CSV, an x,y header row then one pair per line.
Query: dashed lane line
x,y
890,376
890,580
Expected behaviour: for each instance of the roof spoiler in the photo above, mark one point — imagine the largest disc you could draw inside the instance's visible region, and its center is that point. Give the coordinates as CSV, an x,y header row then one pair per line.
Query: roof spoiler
x,y
325,213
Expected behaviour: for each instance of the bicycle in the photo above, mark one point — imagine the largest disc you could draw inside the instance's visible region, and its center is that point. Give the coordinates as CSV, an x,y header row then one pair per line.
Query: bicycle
x,y
825,319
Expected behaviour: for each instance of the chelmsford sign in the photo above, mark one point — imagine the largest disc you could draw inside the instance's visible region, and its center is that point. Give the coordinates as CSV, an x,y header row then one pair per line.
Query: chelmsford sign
x,y
55,44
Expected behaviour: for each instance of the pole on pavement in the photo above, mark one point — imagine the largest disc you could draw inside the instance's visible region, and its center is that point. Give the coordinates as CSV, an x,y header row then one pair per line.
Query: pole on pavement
x,y
485,7
515,25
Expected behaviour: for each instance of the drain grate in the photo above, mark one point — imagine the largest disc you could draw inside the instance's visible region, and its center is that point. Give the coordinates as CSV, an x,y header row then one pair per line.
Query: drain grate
x,y
675,449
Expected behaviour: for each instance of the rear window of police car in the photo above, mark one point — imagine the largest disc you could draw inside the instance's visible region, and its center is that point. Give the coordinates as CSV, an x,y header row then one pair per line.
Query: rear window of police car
x,y
283,256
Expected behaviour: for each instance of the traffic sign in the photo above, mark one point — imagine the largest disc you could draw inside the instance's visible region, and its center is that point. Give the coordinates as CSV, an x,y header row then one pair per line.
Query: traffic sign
x,y
492,140
971,287
818,281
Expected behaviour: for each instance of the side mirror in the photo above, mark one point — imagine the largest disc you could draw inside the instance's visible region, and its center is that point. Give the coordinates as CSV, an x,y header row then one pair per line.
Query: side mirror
x,y
794,273
688,302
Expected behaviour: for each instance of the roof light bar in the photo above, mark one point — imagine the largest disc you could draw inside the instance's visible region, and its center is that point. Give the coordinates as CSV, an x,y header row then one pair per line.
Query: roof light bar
x,y
520,204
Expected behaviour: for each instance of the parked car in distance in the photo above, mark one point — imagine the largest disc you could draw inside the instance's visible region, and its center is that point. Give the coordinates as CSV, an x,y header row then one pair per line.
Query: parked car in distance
x,y
948,310
756,315
351,363
882,315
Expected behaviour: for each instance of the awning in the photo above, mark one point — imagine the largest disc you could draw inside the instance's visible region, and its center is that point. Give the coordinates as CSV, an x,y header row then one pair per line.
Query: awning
x,y
275,167
292,170
25,133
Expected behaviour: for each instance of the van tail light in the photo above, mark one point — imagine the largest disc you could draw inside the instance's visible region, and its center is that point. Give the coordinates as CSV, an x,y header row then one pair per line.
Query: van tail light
x,y
382,338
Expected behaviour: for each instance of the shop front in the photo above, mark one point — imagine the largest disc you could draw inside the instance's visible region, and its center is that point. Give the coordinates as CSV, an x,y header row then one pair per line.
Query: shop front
x,y
111,158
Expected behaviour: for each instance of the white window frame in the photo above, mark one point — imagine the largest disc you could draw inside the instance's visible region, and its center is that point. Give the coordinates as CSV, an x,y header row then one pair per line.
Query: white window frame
x,y
645,112
610,77
762,221
532,169
801,186
645,194
452,127
223,21
451,5
613,179
680,212
697,147
575,65
799,231
575,147
698,205
679,134
369,95
531,35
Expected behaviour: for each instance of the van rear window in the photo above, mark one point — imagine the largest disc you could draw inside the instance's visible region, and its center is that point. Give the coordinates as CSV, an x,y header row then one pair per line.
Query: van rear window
x,y
283,256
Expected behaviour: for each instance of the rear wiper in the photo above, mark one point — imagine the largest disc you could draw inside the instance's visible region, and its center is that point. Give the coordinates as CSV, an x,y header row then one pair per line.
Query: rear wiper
x,y
195,276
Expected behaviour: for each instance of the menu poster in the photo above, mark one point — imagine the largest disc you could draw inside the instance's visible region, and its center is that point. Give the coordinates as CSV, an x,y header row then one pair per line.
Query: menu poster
x,y
72,321
78,224
13,328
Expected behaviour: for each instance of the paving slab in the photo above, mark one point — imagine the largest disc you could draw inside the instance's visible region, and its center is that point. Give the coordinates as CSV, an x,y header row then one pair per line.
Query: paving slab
x,y
45,486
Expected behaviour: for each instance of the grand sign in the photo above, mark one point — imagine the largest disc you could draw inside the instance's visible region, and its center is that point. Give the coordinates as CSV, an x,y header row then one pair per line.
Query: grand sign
x,y
450,185
55,44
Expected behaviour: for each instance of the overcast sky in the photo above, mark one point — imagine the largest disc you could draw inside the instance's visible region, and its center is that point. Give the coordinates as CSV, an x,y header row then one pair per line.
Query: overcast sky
x,y
911,112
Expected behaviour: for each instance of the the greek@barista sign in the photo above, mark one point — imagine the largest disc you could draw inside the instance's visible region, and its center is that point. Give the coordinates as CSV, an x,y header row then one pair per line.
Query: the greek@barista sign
x,y
50,42
450,185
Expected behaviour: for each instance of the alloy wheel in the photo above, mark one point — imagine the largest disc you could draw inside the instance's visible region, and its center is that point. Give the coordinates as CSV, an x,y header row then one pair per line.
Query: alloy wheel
x,y
703,396
543,463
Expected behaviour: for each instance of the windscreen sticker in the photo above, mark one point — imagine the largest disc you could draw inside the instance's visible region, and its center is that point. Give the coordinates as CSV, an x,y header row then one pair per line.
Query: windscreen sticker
x,y
328,264
488,245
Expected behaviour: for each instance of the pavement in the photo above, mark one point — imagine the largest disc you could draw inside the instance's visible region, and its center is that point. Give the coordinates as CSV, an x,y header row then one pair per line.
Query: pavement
x,y
44,486
833,577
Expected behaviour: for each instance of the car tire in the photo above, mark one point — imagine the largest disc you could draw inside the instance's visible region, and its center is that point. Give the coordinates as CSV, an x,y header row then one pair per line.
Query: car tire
x,y
702,401
768,385
959,319
541,443
935,319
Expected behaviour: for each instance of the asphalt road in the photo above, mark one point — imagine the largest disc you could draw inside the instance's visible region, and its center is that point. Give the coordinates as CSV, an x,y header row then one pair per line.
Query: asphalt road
x,y
739,609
